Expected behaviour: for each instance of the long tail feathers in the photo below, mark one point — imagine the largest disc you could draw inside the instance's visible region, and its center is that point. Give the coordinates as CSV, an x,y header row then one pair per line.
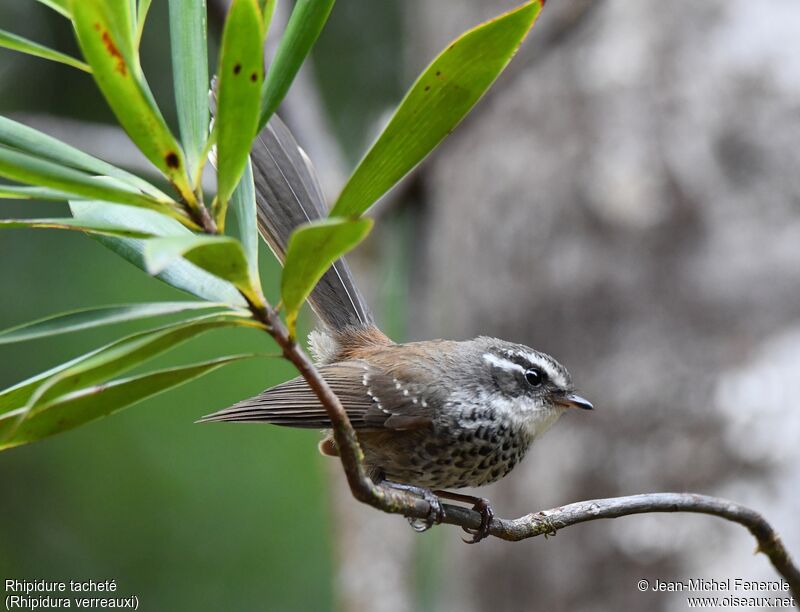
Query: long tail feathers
x,y
288,194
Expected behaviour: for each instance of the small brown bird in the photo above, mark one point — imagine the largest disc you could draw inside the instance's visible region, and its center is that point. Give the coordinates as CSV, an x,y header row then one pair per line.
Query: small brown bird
x,y
429,415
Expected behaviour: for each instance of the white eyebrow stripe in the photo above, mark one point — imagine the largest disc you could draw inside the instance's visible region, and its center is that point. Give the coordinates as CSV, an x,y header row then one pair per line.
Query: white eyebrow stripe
x,y
504,364
544,364
532,358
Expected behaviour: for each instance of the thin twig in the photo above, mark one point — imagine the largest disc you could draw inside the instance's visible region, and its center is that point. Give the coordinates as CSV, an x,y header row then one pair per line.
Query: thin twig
x,y
549,521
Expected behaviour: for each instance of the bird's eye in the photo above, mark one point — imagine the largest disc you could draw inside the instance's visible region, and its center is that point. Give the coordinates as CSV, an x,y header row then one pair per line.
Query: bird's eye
x,y
535,377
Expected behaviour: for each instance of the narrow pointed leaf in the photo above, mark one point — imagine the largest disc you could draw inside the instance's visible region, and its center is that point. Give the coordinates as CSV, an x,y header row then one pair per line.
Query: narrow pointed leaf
x,y
302,31
88,318
241,73
19,192
141,19
60,6
17,396
106,42
121,16
112,359
187,21
313,248
267,8
23,45
222,256
89,404
130,352
17,135
181,274
26,168
244,203
87,227
442,95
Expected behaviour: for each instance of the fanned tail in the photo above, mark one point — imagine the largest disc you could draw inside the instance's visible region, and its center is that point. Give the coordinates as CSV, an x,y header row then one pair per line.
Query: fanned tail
x,y
288,194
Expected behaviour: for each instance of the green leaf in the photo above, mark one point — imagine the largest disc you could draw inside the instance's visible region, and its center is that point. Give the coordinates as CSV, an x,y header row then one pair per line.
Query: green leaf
x,y
23,45
313,248
25,168
60,6
181,274
241,73
15,192
88,318
112,359
131,352
442,95
187,25
87,227
104,35
267,8
122,19
244,203
16,135
222,256
18,395
141,18
305,25
88,404
146,343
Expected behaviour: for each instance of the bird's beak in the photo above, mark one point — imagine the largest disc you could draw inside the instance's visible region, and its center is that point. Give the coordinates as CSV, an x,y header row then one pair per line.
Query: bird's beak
x,y
575,401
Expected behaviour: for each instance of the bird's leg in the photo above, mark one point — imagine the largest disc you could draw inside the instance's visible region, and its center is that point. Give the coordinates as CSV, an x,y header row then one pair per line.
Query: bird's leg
x,y
479,504
436,514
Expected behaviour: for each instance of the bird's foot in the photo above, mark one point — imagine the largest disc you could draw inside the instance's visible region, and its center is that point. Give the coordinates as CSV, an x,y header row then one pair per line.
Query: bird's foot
x,y
436,513
479,504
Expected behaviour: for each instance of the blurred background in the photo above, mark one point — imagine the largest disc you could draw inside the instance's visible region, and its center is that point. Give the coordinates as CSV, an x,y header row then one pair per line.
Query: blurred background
x,y
626,197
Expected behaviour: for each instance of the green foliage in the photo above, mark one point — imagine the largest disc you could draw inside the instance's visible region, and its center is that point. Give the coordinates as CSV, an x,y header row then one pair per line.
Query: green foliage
x,y
441,96
312,250
302,31
15,192
241,72
66,412
87,227
87,318
18,43
222,256
187,27
176,237
25,168
105,37
181,273
60,6
15,135
243,203
128,353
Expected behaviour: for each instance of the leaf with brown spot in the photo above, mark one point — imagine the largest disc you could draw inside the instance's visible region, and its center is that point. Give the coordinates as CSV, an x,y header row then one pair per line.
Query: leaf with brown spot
x,y
239,95
105,37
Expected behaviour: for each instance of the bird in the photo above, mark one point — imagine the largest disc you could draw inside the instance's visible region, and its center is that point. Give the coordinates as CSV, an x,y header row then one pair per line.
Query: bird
x,y
429,415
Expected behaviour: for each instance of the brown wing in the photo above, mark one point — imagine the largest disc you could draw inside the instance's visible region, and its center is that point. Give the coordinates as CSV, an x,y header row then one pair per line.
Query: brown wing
x,y
372,400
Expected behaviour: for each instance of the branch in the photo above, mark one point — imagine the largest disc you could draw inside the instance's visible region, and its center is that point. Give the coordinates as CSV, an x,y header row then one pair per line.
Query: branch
x,y
549,521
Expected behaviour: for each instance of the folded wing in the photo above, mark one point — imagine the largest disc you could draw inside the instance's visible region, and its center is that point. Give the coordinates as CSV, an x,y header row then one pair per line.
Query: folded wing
x,y
364,393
